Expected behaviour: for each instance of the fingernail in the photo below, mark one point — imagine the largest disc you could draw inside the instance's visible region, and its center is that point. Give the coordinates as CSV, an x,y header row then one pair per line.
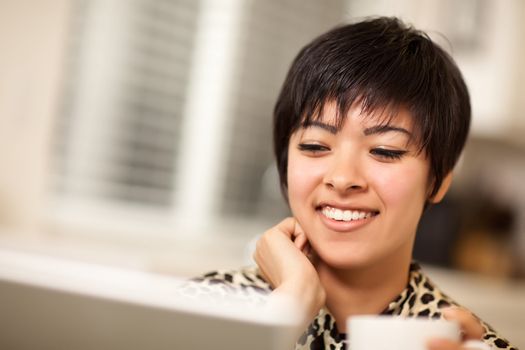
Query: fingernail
x,y
448,311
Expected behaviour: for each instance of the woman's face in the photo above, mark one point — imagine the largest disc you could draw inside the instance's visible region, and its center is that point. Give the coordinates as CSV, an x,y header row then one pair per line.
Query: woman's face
x,y
357,192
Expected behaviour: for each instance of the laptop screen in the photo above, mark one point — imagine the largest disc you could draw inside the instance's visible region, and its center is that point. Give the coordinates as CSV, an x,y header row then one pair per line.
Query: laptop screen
x,y
51,303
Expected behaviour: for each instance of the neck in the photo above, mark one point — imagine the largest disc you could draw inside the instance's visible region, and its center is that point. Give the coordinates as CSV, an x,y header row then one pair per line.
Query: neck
x,y
363,290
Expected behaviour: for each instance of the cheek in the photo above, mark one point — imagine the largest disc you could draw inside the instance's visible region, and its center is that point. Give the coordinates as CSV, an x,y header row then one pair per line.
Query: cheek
x,y
303,177
404,186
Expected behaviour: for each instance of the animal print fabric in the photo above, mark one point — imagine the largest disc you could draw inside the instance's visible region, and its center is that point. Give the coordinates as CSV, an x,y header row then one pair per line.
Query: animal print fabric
x,y
421,298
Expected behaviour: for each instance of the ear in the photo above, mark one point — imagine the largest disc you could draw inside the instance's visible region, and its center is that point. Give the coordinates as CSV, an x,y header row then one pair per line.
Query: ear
x,y
445,185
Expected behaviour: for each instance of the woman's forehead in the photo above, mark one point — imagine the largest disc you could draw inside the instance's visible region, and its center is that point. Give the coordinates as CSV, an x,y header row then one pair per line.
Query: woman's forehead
x,y
333,115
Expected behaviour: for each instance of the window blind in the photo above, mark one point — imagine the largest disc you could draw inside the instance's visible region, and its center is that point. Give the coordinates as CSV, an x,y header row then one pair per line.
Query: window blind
x,y
128,64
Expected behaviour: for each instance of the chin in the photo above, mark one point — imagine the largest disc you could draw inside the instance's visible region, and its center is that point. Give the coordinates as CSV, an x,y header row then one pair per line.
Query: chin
x,y
343,259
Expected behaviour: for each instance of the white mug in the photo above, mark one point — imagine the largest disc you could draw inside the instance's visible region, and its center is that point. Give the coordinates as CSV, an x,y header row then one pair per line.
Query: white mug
x,y
397,333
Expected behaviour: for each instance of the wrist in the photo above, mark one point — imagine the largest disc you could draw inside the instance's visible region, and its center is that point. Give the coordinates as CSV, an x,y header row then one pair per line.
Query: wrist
x,y
309,296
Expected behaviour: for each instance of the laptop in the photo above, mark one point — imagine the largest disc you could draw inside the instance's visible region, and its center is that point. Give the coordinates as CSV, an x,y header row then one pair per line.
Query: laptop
x,y
53,303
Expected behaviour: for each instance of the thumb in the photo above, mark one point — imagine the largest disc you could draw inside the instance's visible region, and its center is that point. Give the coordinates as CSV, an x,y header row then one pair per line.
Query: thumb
x,y
470,325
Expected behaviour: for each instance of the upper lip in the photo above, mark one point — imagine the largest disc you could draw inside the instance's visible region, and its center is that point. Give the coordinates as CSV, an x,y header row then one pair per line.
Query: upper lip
x,y
343,206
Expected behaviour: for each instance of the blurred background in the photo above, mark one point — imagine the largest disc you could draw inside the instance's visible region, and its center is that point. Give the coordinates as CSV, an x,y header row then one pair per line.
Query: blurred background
x,y
137,133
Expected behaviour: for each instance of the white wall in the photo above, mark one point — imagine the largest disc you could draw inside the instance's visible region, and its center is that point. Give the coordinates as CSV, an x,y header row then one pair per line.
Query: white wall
x,y
493,70
32,36
519,81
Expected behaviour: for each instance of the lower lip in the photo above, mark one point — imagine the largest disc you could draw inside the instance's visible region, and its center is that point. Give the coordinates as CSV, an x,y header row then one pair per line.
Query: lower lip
x,y
345,226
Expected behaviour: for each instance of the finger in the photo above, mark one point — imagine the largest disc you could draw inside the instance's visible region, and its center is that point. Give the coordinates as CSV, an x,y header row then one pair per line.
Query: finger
x,y
307,250
287,226
297,228
262,270
443,344
300,242
300,237
290,227
469,324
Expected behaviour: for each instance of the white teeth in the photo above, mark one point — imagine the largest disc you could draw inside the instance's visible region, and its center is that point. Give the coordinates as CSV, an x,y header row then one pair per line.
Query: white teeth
x,y
345,215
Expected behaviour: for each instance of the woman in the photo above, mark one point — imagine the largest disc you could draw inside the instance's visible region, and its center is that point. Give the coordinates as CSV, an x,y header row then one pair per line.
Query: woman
x,y
369,124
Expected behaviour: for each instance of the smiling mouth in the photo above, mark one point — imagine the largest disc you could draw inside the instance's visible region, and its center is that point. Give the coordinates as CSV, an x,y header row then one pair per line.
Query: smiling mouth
x,y
346,215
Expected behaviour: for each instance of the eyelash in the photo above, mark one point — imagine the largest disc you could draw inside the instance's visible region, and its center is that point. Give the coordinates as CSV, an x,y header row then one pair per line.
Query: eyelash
x,y
379,152
388,154
312,147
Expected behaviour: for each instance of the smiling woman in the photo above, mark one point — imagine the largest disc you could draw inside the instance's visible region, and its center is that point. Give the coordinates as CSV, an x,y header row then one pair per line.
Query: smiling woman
x,y
348,187
368,126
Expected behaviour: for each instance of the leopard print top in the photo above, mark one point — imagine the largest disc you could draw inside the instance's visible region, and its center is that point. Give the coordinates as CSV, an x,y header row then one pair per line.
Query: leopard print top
x,y
421,298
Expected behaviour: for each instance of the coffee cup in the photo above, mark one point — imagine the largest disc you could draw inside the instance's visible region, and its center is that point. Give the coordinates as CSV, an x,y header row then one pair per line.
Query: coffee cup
x,y
397,333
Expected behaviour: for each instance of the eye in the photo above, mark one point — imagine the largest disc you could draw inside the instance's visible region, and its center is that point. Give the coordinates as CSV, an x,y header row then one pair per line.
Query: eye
x,y
313,148
387,154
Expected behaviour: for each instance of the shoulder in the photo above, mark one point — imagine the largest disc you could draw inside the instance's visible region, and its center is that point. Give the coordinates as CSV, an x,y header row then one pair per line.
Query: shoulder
x,y
430,300
245,283
246,277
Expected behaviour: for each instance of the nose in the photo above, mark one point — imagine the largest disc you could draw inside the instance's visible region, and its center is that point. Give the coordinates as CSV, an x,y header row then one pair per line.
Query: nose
x,y
345,176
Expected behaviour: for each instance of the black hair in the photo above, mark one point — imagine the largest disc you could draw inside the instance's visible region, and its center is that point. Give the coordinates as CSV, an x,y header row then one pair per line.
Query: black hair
x,y
383,64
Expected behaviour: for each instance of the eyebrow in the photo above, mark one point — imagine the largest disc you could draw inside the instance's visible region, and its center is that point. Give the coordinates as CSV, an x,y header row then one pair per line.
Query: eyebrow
x,y
382,129
373,130
330,128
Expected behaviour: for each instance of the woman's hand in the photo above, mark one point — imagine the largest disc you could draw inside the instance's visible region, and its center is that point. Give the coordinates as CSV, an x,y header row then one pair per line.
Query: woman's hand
x,y
281,254
471,329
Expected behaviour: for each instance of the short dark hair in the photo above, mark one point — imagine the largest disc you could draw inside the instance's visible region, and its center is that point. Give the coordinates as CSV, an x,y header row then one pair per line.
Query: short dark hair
x,y
383,64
